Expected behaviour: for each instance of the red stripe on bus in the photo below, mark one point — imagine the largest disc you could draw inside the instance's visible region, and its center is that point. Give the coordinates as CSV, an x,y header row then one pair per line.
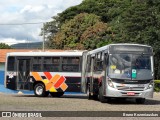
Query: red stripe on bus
x,y
48,75
59,82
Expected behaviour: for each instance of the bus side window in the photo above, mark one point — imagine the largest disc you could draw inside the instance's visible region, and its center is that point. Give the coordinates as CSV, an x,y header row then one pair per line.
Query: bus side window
x,y
70,64
10,64
98,62
88,69
51,64
37,61
106,60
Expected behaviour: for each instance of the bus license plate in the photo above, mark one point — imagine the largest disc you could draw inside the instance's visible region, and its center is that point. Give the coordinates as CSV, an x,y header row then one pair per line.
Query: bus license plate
x,y
130,93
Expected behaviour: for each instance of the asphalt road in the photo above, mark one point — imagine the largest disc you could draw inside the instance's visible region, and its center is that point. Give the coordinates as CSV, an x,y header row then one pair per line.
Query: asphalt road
x,y
73,103
14,102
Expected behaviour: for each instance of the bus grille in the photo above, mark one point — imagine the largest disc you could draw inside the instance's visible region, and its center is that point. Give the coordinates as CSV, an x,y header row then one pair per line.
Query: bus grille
x,y
126,88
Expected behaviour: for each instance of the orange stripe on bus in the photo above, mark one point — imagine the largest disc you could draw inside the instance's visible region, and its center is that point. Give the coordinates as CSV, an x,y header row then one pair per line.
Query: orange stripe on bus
x,y
48,75
36,76
48,86
64,86
59,82
55,78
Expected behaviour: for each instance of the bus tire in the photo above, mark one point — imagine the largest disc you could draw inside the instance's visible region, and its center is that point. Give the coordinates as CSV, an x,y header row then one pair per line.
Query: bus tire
x,y
39,90
101,97
56,94
95,96
140,100
46,94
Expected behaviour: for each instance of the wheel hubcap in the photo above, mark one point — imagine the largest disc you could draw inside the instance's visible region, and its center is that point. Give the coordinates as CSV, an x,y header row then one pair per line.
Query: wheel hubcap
x,y
39,90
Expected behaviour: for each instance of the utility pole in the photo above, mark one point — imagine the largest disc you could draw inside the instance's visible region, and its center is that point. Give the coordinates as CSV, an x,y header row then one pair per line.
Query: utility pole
x,y
43,38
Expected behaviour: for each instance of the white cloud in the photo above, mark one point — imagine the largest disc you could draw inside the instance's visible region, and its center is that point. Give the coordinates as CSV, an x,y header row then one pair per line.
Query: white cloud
x,y
28,11
30,8
11,41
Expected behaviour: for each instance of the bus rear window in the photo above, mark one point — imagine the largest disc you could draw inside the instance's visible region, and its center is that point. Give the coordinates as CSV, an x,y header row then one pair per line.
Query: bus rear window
x,y
10,64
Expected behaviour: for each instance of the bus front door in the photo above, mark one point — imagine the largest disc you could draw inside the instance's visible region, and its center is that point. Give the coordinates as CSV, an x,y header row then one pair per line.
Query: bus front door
x,y
23,74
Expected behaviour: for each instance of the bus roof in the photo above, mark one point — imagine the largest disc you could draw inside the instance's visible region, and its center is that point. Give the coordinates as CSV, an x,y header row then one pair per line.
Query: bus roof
x,y
65,53
107,46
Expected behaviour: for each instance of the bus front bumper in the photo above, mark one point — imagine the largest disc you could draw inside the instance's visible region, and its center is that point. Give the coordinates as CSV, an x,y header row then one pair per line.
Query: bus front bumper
x,y
112,92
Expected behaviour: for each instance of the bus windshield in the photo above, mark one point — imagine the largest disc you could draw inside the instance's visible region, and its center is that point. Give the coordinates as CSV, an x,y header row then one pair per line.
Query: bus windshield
x,y
130,66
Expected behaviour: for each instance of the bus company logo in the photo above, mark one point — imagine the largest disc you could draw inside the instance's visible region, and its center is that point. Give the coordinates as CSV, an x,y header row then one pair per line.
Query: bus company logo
x,y
52,83
11,74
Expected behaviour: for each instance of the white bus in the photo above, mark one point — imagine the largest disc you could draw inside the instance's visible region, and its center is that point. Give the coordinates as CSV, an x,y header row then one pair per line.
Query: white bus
x,y
44,72
118,71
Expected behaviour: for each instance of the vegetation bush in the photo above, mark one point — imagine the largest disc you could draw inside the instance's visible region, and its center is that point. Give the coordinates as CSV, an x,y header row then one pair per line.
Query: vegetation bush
x,y
157,85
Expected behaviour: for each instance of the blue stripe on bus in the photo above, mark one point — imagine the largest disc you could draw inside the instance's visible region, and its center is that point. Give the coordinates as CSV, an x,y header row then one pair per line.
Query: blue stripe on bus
x,y
5,90
1,77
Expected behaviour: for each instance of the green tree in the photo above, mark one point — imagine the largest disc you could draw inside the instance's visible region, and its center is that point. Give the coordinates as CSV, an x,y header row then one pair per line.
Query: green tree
x,y
4,46
96,36
78,32
140,23
118,21
107,10
49,30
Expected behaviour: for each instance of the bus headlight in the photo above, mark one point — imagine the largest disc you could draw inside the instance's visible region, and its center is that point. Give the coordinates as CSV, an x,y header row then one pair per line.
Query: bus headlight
x,y
151,84
110,83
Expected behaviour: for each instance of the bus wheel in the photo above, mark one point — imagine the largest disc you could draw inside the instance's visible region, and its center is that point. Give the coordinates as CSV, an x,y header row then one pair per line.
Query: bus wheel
x,y
140,100
56,94
95,96
39,90
101,97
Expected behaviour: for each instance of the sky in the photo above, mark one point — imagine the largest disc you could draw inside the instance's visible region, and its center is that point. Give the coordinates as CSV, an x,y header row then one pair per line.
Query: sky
x,y
28,11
